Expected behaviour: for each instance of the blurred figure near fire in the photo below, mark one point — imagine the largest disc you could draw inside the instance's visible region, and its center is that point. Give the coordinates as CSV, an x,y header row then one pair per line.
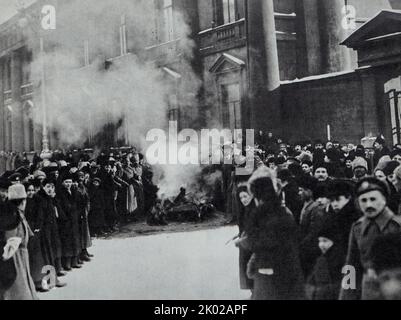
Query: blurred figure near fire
x,y
109,188
274,266
97,220
244,220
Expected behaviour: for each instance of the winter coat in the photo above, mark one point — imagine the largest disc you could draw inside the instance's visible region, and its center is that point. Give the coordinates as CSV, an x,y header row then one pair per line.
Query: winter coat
x,y
310,226
363,233
273,240
244,222
83,205
50,235
69,222
324,283
23,287
97,207
34,216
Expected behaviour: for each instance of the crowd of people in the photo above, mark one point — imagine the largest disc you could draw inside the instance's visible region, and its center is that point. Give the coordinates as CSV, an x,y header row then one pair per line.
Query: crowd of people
x,y
321,222
50,210
316,220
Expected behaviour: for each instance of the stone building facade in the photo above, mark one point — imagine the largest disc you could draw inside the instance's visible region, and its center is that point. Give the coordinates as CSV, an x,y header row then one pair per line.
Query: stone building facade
x,y
292,67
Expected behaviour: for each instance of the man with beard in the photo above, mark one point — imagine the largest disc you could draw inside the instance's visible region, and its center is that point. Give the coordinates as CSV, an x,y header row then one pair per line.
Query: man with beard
x,y
359,168
377,220
321,173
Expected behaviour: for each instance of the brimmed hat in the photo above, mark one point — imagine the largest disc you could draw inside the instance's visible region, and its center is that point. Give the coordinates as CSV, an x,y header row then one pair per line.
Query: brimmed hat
x,y
390,167
38,174
49,180
307,182
67,176
23,172
15,177
338,188
16,192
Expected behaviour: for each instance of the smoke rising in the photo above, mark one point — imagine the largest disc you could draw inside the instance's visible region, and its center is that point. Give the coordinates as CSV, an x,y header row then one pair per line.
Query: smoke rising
x,y
130,90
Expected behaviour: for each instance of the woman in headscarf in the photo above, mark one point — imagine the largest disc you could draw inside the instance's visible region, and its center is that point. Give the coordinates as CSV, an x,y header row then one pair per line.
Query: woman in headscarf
x,y
272,237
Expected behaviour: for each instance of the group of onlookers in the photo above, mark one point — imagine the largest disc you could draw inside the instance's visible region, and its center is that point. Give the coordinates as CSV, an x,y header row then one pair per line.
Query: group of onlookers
x,y
326,227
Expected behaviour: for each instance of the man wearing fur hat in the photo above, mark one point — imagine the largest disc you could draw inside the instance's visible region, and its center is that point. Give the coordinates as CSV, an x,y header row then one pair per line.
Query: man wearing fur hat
x,y
359,169
377,220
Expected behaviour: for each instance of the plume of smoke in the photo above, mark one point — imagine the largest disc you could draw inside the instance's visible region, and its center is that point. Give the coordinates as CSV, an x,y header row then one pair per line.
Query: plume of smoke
x,y
82,99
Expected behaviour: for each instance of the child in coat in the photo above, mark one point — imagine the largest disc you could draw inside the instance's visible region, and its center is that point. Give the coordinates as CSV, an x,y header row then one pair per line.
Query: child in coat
x,y
324,283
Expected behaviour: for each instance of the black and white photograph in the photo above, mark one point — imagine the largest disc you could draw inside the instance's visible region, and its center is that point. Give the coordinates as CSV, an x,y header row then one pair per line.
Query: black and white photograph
x,y
200,150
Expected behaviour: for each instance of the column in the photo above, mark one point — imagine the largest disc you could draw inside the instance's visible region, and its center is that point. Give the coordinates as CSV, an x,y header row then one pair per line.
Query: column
x,y
2,113
312,36
263,67
335,56
17,117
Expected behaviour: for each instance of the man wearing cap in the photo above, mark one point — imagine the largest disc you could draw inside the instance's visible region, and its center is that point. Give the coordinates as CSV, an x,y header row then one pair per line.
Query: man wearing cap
x,y
15,178
377,220
381,150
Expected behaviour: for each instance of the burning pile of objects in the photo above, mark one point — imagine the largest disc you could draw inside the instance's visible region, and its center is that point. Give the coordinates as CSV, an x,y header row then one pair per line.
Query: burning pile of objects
x,y
196,205
188,207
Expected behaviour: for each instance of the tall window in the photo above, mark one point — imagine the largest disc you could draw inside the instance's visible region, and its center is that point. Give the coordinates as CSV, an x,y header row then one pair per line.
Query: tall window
x,y
9,125
29,129
227,11
7,72
168,20
231,106
123,36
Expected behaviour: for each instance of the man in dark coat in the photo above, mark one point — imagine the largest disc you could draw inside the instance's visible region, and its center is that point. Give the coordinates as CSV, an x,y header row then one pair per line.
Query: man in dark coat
x,y
34,216
377,220
343,213
69,227
96,214
275,265
109,188
311,222
290,194
51,243
83,205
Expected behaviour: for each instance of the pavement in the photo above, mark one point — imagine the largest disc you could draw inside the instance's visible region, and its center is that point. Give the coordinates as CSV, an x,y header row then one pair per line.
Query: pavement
x,y
168,266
